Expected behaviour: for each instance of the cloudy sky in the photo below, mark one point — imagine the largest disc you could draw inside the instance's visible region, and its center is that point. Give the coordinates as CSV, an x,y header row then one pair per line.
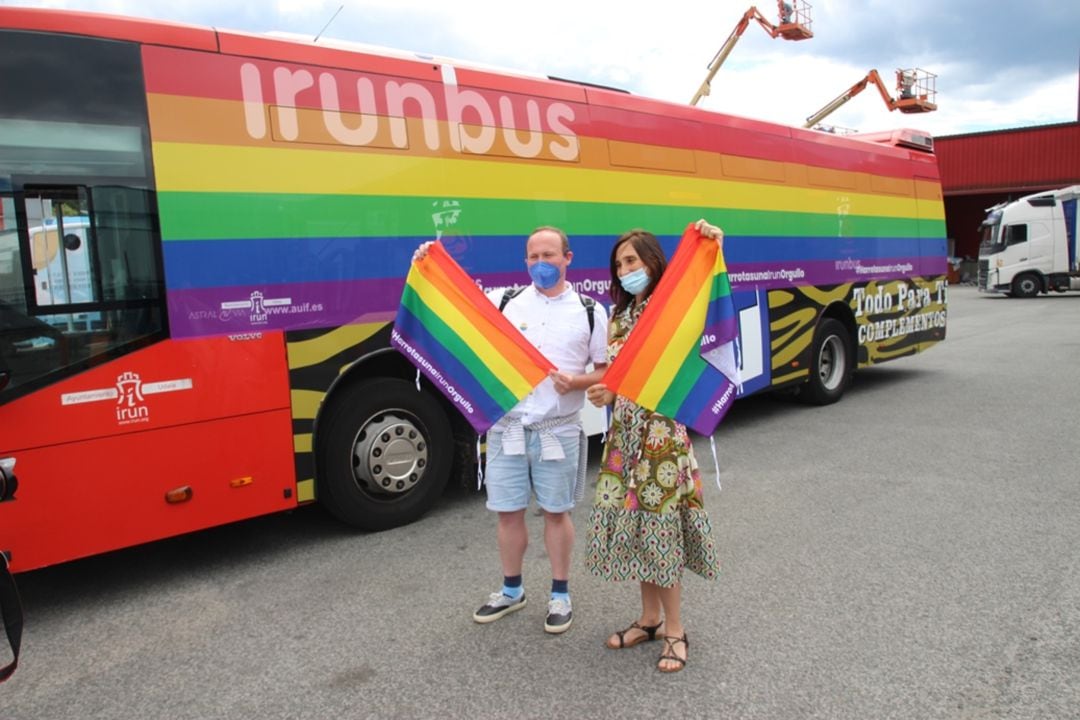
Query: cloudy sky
x,y
999,64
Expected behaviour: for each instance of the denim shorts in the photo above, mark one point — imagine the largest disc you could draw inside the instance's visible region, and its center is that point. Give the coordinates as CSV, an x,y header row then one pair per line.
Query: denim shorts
x,y
510,479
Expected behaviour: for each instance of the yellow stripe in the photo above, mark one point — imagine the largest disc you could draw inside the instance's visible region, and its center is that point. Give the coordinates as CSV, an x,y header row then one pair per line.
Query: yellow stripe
x,y
687,334
305,403
302,442
306,353
305,491
183,168
476,340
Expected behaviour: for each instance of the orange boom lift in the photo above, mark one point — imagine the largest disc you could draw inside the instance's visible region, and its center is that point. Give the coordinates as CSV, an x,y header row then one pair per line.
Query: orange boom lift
x,y
917,93
794,25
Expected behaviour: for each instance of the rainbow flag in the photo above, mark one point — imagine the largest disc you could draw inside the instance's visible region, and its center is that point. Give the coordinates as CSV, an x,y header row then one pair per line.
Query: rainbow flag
x,y
456,336
679,360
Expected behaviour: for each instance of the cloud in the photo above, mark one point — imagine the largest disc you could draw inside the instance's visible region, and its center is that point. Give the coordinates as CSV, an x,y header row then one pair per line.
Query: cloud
x,y
998,64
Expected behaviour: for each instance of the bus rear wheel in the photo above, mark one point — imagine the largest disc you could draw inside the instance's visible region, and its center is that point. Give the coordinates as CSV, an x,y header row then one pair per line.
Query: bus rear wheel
x,y
385,452
831,364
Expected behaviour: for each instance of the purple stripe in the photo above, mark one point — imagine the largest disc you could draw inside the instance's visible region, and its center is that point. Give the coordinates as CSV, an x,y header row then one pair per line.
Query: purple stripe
x,y
771,275
248,308
713,412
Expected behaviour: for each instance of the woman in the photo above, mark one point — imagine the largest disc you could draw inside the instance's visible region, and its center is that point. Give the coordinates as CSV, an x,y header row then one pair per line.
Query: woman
x,y
648,522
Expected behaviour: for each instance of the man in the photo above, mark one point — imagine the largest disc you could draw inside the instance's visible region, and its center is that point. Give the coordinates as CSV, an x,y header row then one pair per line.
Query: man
x,y
537,449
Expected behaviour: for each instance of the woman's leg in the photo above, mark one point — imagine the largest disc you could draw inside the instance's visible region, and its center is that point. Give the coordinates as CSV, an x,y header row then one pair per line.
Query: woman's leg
x,y
650,617
671,600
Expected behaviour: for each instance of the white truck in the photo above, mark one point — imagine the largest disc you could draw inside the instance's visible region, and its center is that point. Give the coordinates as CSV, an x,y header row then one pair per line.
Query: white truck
x,y
1029,246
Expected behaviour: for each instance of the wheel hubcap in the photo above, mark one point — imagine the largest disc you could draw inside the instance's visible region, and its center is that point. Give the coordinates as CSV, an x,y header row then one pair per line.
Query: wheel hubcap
x,y
831,360
389,454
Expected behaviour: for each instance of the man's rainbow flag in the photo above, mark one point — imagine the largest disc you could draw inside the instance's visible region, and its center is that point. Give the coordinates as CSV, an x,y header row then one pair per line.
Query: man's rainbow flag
x,y
679,360
456,336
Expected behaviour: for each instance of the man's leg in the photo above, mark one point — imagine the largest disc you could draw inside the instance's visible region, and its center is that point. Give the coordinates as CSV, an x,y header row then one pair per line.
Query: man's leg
x,y
513,540
553,482
508,495
559,542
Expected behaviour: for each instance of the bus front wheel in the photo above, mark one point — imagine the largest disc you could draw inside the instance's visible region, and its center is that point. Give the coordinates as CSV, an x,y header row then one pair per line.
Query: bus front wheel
x,y
831,364
385,453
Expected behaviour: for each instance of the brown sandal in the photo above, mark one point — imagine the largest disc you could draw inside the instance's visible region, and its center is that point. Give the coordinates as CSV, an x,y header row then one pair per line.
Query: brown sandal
x,y
670,641
650,634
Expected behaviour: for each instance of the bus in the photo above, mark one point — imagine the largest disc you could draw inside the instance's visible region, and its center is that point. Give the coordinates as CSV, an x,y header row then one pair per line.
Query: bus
x,y
246,207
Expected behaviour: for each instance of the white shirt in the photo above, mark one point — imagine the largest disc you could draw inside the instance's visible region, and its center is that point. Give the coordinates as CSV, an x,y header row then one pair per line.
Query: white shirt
x,y
559,328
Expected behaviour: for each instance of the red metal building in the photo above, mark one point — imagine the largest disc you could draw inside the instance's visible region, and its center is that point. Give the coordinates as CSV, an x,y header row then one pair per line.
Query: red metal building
x,y
979,170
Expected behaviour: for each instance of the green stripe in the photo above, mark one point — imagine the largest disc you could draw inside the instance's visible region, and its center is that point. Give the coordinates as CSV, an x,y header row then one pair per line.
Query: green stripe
x,y
204,216
449,339
681,385
721,287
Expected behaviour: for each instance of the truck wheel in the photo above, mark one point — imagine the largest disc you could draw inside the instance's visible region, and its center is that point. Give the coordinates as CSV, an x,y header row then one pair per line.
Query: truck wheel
x,y
385,451
1026,286
831,364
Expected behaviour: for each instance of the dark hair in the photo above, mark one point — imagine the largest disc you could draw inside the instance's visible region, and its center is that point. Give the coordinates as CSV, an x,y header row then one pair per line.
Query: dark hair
x,y
652,256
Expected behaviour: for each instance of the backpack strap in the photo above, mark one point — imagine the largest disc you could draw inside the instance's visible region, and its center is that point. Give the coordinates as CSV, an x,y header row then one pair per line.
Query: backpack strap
x,y
590,308
509,294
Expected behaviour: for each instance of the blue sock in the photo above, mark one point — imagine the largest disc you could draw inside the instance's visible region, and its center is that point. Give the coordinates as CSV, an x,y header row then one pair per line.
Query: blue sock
x,y
512,587
560,589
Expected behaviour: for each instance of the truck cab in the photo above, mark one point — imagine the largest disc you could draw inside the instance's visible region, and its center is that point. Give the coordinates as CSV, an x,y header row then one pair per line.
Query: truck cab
x,y
1028,246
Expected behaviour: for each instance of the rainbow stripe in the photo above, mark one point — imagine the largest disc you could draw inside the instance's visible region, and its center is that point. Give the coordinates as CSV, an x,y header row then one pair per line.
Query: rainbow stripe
x,y
324,229
456,336
679,359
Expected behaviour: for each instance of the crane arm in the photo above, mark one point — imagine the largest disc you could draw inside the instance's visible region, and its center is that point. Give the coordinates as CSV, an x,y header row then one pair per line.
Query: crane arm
x,y
871,77
729,45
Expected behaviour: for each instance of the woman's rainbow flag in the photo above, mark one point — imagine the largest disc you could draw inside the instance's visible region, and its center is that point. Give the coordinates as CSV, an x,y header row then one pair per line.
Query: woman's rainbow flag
x,y
679,360
456,336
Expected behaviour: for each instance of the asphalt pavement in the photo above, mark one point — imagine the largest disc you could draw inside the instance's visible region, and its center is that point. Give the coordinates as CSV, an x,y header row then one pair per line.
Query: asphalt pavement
x,y
910,552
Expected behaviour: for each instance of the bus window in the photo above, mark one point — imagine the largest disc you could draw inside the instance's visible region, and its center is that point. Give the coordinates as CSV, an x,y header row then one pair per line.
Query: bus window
x,y
89,256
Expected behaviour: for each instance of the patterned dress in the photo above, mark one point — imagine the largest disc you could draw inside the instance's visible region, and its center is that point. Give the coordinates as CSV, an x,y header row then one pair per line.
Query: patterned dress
x,y
648,521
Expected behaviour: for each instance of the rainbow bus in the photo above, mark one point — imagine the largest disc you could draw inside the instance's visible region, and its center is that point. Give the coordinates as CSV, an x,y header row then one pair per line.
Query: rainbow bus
x,y
246,207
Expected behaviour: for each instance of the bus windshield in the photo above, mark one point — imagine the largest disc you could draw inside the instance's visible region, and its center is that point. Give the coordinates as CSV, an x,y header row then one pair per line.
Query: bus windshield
x,y
79,260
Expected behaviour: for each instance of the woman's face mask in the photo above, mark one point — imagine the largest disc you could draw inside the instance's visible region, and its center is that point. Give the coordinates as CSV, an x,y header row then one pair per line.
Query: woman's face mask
x,y
635,282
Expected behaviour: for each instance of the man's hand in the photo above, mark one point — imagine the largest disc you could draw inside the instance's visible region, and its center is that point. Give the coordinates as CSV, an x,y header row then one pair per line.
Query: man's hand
x,y
562,381
422,251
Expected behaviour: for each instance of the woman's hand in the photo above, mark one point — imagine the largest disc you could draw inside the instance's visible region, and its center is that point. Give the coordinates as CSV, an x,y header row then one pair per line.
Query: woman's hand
x,y
599,395
421,252
710,231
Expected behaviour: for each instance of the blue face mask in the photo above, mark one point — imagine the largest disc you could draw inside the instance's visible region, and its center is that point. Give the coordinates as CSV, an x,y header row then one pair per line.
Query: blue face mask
x,y
544,274
635,282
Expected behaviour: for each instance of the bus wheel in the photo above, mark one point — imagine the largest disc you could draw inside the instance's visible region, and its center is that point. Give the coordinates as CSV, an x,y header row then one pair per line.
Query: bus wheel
x,y
831,364
385,452
1026,286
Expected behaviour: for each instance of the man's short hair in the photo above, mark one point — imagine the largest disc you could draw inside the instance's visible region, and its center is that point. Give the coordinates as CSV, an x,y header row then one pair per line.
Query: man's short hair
x,y
557,231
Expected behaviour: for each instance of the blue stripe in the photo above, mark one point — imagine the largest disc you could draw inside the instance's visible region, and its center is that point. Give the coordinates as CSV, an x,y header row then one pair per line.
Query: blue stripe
x,y
192,264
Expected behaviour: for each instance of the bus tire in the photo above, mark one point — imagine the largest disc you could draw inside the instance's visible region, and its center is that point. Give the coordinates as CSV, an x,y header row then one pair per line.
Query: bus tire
x,y
385,452
831,364
1027,285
